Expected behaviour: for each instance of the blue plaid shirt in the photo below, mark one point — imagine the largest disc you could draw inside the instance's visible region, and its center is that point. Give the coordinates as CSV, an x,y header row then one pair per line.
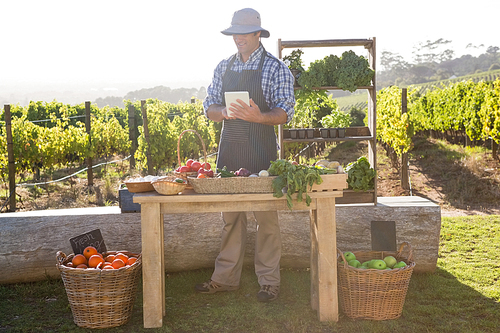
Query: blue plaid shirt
x,y
277,81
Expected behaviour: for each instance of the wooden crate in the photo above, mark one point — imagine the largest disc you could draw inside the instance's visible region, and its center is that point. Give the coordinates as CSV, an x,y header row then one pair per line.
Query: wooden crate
x,y
259,184
331,183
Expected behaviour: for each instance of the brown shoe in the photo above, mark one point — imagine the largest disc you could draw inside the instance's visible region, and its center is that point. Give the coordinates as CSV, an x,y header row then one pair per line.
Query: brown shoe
x,y
212,287
268,293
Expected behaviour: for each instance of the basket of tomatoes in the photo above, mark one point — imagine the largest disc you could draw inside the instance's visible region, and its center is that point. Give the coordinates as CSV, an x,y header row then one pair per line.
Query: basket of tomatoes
x,y
192,167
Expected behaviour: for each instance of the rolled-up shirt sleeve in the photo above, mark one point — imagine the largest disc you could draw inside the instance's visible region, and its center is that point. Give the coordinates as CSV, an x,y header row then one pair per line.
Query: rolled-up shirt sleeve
x,y
282,92
214,90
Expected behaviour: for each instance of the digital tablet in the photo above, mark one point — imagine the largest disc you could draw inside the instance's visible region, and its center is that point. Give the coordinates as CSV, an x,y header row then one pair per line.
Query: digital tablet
x,y
232,96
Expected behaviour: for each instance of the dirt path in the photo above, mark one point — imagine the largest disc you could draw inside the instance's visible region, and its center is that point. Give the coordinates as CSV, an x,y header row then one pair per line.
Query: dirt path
x,y
468,187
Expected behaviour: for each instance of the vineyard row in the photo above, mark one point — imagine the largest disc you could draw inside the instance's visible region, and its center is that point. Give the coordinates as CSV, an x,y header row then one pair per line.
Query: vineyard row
x,y
468,107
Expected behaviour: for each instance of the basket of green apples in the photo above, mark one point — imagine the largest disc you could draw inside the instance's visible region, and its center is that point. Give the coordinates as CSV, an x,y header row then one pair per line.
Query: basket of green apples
x,y
373,284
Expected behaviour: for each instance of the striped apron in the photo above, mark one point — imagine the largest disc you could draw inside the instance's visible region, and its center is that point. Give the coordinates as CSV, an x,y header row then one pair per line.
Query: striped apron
x,y
251,146
244,144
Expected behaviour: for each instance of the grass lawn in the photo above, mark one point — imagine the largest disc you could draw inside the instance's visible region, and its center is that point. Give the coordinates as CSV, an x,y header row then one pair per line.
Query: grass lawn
x,y
463,295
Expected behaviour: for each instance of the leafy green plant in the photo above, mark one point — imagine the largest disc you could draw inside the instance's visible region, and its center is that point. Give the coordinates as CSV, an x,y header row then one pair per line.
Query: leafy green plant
x,y
360,175
353,71
310,107
293,178
336,119
318,74
294,60
348,72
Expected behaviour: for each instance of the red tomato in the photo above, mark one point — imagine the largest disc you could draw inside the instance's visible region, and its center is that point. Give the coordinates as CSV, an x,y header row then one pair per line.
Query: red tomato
x,y
185,169
189,162
208,173
195,166
206,166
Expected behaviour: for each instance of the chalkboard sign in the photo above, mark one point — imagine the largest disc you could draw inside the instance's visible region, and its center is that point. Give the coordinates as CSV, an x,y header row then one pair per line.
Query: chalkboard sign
x,y
91,238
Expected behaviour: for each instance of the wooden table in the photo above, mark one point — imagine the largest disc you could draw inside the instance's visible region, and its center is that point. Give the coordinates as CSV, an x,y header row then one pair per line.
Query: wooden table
x,y
323,241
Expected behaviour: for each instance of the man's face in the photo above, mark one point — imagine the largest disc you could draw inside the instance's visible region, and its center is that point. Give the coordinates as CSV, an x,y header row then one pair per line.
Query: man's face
x,y
246,44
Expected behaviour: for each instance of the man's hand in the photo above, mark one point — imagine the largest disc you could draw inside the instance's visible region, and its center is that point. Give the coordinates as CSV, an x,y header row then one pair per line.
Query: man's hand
x,y
241,110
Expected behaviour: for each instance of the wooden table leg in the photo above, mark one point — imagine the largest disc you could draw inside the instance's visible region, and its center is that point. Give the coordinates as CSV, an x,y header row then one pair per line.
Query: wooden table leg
x,y
153,273
326,233
314,261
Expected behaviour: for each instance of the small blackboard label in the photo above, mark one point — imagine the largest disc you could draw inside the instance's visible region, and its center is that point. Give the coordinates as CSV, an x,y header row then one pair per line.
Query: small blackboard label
x,y
91,238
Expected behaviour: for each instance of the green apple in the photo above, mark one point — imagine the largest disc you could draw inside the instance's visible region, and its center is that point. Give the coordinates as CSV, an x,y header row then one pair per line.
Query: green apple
x,y
379,264
349,256
366,264
370,263
390,261
354,263
400,264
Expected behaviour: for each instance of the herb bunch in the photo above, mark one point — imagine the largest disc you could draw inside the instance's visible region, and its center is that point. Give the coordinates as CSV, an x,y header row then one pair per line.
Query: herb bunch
x,y
294,179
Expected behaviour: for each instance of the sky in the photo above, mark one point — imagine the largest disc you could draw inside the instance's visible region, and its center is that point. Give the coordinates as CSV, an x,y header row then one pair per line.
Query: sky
x,y
147,43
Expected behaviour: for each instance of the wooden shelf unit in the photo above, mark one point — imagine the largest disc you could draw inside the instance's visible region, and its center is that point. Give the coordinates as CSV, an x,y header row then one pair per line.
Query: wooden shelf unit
x,y
370,46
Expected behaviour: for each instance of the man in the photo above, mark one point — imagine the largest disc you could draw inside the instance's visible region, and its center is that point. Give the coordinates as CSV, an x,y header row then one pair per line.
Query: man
x,y
248,140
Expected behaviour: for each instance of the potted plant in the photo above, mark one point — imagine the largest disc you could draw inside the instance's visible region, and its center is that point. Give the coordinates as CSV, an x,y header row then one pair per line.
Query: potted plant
x,y
294,63
336,122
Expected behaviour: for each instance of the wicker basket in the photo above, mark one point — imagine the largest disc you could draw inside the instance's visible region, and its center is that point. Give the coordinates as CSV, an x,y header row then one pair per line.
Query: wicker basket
x,y
232,185
100,298
138,187
371,293
168,186
185,175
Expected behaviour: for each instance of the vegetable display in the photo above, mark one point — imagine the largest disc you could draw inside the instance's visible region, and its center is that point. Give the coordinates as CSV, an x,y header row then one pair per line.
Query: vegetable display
x,y
292,178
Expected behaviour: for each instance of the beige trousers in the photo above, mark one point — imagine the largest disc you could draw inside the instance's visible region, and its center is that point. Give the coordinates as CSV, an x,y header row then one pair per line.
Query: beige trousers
x,y
229,262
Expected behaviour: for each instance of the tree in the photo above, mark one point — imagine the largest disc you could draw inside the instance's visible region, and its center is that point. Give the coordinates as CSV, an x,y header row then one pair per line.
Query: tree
x,y
429,52
392,61
493,50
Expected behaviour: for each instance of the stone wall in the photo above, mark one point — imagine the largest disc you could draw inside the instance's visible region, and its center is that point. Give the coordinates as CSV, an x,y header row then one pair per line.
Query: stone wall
x,y
29,240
